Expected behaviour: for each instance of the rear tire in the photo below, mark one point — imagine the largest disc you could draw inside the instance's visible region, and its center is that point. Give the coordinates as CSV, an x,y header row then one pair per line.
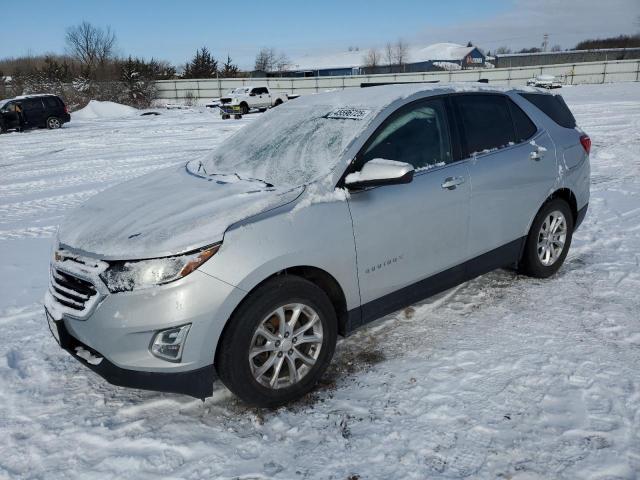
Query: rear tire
x,y
53,123
254,353
549,240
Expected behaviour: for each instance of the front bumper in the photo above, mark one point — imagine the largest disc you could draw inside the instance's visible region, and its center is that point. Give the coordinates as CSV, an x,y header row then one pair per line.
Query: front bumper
x,y
119,328
195,383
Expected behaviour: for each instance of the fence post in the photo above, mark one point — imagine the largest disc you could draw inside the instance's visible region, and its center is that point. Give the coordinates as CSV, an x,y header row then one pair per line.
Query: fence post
x,y
604,71
637,70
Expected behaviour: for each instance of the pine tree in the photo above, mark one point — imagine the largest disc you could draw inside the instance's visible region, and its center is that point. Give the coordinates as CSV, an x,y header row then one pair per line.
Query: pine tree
x,y
203,65
229,69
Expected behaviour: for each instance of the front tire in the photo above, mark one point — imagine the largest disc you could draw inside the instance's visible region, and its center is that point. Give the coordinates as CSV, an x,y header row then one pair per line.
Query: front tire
x,y
244,108
549,240
278,343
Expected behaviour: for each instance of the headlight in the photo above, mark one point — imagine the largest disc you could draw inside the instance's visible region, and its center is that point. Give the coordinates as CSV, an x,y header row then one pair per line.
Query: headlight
x,y
125,276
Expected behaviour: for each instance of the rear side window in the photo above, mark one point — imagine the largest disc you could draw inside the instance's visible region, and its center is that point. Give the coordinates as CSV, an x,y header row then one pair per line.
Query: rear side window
x,y
486,121
553,106
32,104
525,128
52,102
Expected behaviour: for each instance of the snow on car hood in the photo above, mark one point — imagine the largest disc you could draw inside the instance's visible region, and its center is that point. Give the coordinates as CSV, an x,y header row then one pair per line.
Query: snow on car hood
x,y
166,212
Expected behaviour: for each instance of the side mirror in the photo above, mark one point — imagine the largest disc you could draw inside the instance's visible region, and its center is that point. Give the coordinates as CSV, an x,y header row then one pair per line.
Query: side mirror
x,y
252,94
380,172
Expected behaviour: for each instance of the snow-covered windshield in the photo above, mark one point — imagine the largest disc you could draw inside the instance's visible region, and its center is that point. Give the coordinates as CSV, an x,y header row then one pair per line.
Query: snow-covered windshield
x,y
291,145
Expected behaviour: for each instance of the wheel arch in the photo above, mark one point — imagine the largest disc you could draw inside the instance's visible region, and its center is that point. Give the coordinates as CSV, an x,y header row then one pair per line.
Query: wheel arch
x,y
321,278
568,196
563,193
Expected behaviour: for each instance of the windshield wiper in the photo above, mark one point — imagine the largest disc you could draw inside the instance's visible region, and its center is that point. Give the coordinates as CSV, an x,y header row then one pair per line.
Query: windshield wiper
x,y
249,179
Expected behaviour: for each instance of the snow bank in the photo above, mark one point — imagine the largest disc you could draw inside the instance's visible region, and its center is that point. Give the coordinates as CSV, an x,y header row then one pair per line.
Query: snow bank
x,y
96,109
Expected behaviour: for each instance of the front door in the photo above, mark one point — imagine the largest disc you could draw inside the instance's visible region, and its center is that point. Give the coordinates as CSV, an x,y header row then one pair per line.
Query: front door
x,y
10,116
407,233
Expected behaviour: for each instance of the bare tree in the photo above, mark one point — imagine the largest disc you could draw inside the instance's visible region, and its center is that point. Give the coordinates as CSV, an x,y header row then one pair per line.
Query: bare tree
x,y
282,62
400,53
372,58
389,54
556,48
502,50
91,45
265,60
268,60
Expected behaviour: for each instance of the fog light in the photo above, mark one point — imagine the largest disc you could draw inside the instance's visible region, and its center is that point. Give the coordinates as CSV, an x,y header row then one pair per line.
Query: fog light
x,y
168,344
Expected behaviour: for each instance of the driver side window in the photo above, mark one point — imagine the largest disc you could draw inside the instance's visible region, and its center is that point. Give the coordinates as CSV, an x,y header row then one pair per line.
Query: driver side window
x,y
417,134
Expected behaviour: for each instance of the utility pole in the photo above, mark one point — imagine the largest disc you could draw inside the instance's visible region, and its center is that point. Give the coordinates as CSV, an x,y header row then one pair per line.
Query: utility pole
x,y
545,42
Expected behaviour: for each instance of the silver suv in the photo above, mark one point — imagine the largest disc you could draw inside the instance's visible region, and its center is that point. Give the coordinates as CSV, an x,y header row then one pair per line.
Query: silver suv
x,y
316,218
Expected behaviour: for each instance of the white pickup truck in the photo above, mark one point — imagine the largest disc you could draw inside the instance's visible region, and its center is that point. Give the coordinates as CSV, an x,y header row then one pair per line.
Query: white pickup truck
x,y
250,97
544,81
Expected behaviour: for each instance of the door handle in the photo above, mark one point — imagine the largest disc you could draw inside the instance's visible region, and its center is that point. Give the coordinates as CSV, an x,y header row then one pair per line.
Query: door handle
x,y
450,183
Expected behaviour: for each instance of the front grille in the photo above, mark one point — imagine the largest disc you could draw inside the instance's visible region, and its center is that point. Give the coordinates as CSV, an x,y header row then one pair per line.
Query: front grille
x,y
71,291
225,100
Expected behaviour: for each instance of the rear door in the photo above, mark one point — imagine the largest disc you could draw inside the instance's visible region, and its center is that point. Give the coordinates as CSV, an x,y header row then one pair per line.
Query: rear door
x,y
33,112
512,167
406,233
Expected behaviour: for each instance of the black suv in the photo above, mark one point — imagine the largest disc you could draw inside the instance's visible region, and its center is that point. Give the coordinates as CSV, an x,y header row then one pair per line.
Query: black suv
x,y
33,111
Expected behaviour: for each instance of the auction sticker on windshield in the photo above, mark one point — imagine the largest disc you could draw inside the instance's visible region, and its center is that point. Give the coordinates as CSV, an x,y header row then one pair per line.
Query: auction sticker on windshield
x,y
349,113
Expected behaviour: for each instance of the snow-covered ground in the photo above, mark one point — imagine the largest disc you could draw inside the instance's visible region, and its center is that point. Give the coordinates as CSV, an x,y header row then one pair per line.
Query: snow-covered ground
x,y
502,377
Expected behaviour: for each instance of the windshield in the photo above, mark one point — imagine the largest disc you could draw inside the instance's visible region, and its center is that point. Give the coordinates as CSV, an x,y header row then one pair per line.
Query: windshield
x,y
288,146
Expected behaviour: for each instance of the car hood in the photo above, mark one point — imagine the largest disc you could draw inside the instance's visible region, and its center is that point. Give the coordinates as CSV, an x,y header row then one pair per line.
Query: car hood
x,y
164,213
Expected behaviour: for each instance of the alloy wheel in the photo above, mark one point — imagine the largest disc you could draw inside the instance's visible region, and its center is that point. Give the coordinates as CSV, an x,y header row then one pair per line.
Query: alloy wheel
x,y
285,346
552,238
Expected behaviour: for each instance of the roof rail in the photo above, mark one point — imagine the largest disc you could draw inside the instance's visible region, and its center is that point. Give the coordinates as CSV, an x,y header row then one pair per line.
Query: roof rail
x,y
380,84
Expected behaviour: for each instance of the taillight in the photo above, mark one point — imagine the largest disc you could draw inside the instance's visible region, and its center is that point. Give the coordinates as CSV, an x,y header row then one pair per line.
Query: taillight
x,y
586,143
66,110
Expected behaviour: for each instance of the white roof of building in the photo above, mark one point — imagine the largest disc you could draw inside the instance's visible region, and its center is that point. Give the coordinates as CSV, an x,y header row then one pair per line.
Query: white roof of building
x,y
356,58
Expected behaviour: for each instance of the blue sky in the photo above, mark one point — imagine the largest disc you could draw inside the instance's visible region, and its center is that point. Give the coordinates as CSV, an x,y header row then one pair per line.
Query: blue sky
x,y
172,30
